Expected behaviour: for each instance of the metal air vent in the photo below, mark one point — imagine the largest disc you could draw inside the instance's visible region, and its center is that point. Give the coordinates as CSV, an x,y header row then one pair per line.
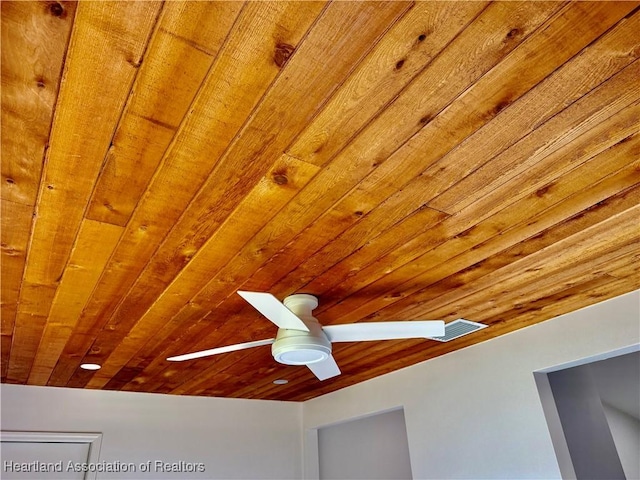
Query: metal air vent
x,y
458,328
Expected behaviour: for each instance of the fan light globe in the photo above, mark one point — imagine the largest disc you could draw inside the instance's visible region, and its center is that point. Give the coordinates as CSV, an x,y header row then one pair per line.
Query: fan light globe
x,y
294,347
301,356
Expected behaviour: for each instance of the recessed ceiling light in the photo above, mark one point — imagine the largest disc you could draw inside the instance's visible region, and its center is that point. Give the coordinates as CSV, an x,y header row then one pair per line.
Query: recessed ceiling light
x,y
90,366
281,381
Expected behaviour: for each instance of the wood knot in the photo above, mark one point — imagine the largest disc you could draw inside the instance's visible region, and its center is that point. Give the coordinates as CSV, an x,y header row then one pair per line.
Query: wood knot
x,y
187,254
358,213
514,32
399,64
49,187
57,10
40,82
10,181
280,179
422,37
542,191
8,250
134,63
282,54
501,106
424,120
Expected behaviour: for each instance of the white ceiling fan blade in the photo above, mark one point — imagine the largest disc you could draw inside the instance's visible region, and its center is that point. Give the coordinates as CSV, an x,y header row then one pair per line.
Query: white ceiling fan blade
x,y
359,332
326,369
274,310
216,351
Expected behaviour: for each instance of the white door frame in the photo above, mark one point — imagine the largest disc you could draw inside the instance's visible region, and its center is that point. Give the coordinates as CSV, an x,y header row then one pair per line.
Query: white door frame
x,y
93,439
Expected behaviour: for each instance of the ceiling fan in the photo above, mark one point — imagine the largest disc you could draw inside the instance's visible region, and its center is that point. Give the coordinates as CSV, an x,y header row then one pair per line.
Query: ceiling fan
x,y
301,340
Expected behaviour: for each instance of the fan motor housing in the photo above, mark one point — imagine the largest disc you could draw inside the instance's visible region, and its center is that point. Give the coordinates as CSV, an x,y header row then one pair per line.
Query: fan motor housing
x,y
297,347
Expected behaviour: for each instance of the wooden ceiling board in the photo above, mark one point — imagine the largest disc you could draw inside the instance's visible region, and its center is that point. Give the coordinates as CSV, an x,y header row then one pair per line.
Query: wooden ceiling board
x,y
399,160
94,244
77,143
35,38
154,113
238,170
491,236
465,222
341,173
179,178
436,174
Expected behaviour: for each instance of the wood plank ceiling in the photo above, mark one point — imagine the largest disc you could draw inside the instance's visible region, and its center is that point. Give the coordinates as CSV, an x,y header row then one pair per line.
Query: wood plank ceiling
x,y
425,160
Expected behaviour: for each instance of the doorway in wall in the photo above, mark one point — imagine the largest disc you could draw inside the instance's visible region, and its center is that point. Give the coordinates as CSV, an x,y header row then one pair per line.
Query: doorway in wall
x,y
592,408
373,447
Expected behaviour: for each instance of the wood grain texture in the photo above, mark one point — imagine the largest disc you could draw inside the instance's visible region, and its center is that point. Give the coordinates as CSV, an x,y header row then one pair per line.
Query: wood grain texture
x,y
399,160
34,42
238,171
407,49
74,158
277,187
34,38
16,225
229,94
352,194
530,182
188,33
78,143
93,248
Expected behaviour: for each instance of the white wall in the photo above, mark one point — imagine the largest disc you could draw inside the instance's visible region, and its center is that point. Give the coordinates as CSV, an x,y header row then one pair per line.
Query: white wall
x,y
234,438
476,413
